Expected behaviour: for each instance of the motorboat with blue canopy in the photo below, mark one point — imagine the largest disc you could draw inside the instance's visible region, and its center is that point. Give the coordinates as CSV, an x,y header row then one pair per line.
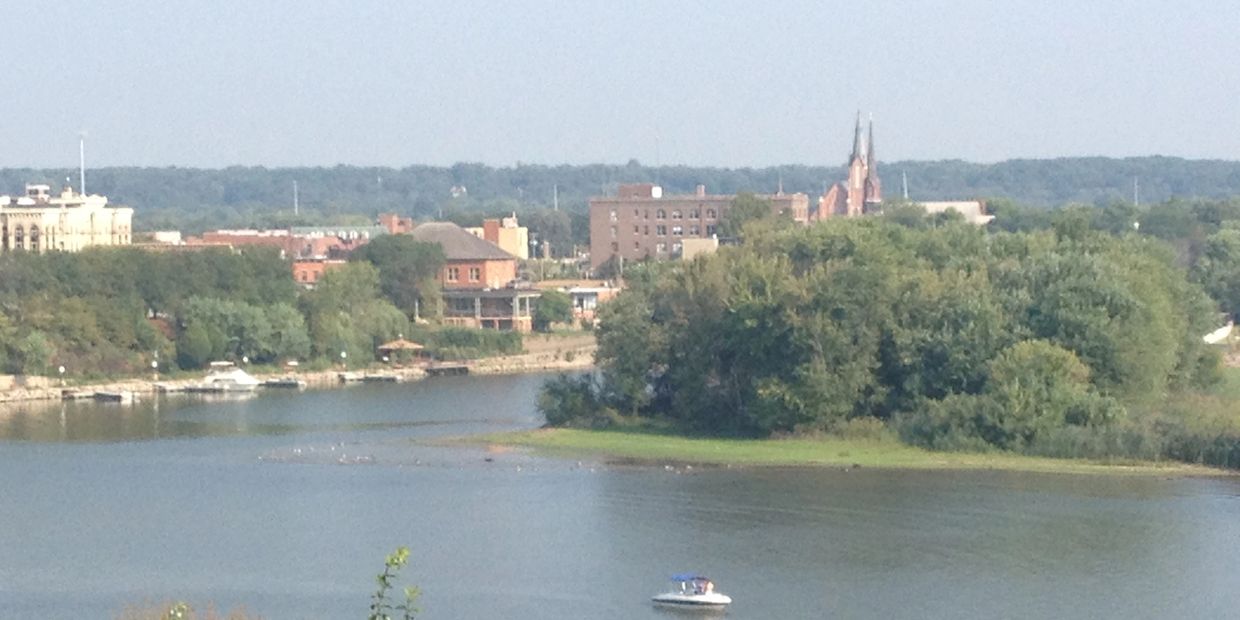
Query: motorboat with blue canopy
x,y
692,591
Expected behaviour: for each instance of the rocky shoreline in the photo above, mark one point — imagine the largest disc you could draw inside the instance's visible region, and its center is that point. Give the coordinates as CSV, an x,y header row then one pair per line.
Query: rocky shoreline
x,y
48,388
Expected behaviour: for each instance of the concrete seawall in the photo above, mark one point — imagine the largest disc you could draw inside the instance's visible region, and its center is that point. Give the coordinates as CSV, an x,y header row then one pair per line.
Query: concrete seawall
x,y
14,389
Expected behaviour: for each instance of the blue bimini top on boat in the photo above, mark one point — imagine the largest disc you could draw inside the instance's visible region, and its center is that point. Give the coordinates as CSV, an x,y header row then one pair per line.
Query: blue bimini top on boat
x,y
689,577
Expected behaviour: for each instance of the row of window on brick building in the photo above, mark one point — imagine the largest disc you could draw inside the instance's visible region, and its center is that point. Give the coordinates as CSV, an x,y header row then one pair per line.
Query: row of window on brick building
x,y
454,274
661,214
659,248
660,230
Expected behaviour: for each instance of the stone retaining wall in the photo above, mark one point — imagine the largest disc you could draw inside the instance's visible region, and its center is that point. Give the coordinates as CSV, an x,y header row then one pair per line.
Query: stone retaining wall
x,y
20,387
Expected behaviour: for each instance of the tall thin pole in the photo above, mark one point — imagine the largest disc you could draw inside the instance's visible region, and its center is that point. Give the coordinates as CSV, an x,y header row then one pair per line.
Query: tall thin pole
x,y
82,163
555,197
1136,195
904,180
296,206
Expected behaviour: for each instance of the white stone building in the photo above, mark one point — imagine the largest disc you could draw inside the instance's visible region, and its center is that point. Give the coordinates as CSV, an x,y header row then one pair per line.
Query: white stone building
x,y
39,222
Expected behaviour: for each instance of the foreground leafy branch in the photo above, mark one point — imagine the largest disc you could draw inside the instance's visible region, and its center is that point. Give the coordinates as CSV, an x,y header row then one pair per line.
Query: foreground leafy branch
x,y
382,606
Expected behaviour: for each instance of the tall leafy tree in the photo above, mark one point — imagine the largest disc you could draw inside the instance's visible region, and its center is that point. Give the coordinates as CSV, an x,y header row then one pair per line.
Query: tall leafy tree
x,y
407,269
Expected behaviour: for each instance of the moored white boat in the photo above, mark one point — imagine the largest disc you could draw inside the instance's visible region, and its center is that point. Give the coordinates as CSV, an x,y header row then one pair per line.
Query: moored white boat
x,y
691,591
225,377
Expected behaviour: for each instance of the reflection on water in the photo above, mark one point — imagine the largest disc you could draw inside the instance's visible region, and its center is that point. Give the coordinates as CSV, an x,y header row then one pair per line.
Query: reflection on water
x,y
286,503
248,414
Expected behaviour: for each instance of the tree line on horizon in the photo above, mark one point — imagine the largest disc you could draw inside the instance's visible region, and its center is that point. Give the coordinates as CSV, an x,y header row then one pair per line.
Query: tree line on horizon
x,y
194,199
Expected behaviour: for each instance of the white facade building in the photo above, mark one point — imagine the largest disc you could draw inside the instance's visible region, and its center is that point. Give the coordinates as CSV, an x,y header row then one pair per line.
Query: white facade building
x,y
40,222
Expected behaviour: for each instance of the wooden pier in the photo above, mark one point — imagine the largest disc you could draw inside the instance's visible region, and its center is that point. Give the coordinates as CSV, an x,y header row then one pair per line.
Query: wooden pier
x,y
447,369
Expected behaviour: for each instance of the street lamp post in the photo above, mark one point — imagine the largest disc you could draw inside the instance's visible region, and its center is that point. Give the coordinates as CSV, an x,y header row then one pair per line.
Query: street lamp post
x,y
61,370
344,359
155,368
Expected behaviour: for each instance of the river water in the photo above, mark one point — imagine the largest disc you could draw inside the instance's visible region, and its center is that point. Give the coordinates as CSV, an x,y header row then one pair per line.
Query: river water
x,y
287,503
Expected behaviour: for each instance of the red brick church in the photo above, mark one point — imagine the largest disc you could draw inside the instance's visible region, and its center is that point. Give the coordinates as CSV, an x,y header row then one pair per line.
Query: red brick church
x,y
863,191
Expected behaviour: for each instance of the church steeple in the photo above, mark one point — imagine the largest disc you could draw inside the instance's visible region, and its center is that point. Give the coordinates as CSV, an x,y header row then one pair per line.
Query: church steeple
x,y
858,151
869,149
873,186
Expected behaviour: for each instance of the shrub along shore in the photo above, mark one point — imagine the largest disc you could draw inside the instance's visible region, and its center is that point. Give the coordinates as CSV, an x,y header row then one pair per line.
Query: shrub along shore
x,y
880,452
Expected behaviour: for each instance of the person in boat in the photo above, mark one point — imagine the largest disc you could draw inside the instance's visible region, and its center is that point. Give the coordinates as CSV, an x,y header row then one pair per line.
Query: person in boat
x,y
710,587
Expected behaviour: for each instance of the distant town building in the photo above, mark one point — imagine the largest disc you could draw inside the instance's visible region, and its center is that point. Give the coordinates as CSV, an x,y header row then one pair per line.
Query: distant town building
x,y
396,224
695,247
307,272
279,238
506,233
68,222
313,250
586,295
478,280
168,237
640,222
862,191
974,211
345,233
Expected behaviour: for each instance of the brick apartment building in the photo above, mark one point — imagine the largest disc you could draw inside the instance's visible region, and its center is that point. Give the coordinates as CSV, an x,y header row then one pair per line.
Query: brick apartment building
x,y
640,222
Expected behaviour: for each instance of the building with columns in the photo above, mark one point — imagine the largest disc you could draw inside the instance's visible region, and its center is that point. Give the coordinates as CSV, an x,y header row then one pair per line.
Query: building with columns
x,y
479,281
68,222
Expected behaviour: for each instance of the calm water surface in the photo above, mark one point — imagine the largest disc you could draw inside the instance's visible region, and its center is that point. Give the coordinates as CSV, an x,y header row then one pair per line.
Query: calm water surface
x,y
287,503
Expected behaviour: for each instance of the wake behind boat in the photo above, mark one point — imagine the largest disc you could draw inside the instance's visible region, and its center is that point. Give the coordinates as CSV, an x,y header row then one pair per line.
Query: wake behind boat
x,y
692,591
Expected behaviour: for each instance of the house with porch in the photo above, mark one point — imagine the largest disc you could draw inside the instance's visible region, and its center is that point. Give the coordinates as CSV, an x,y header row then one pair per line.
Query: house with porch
x,y
478,280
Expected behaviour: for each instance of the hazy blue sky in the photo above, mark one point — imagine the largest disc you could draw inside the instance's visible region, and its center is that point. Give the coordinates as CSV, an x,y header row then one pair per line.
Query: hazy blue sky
x,y
736,83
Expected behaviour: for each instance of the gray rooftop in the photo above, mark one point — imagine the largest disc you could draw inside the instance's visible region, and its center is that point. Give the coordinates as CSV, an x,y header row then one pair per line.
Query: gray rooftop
x,y
457,243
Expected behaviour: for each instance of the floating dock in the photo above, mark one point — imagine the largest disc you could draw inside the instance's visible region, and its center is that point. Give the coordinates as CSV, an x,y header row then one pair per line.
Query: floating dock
x,y
285,382
115,397
445,370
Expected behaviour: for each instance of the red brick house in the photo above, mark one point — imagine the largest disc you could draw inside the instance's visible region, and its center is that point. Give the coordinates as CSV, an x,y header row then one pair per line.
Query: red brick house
x,y
479,280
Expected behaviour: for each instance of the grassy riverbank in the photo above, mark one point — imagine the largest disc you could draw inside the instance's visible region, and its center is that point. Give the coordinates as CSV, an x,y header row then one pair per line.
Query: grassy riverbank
x,y
657,448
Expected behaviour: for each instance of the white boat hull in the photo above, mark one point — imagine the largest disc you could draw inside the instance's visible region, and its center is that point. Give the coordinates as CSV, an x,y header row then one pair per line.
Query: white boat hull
x,y
714,600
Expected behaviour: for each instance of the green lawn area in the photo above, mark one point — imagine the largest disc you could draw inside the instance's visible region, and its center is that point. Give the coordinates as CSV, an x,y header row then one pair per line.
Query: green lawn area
x,y
1229,388
654,448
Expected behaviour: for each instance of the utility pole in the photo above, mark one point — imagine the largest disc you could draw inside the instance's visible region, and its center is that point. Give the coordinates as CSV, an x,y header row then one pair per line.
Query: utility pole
x,y
82,163
555,197
1136,192
296,207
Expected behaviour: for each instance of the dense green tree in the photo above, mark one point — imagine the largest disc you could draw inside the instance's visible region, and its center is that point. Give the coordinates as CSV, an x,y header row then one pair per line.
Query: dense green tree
x,y
1218,269
345,313
552,307
570,400
808,327
908,214
407,270
746,208
629,350
194,348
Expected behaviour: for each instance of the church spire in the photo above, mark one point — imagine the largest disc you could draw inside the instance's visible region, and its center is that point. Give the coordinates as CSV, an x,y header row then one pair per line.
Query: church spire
x,y
858,151
869,148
